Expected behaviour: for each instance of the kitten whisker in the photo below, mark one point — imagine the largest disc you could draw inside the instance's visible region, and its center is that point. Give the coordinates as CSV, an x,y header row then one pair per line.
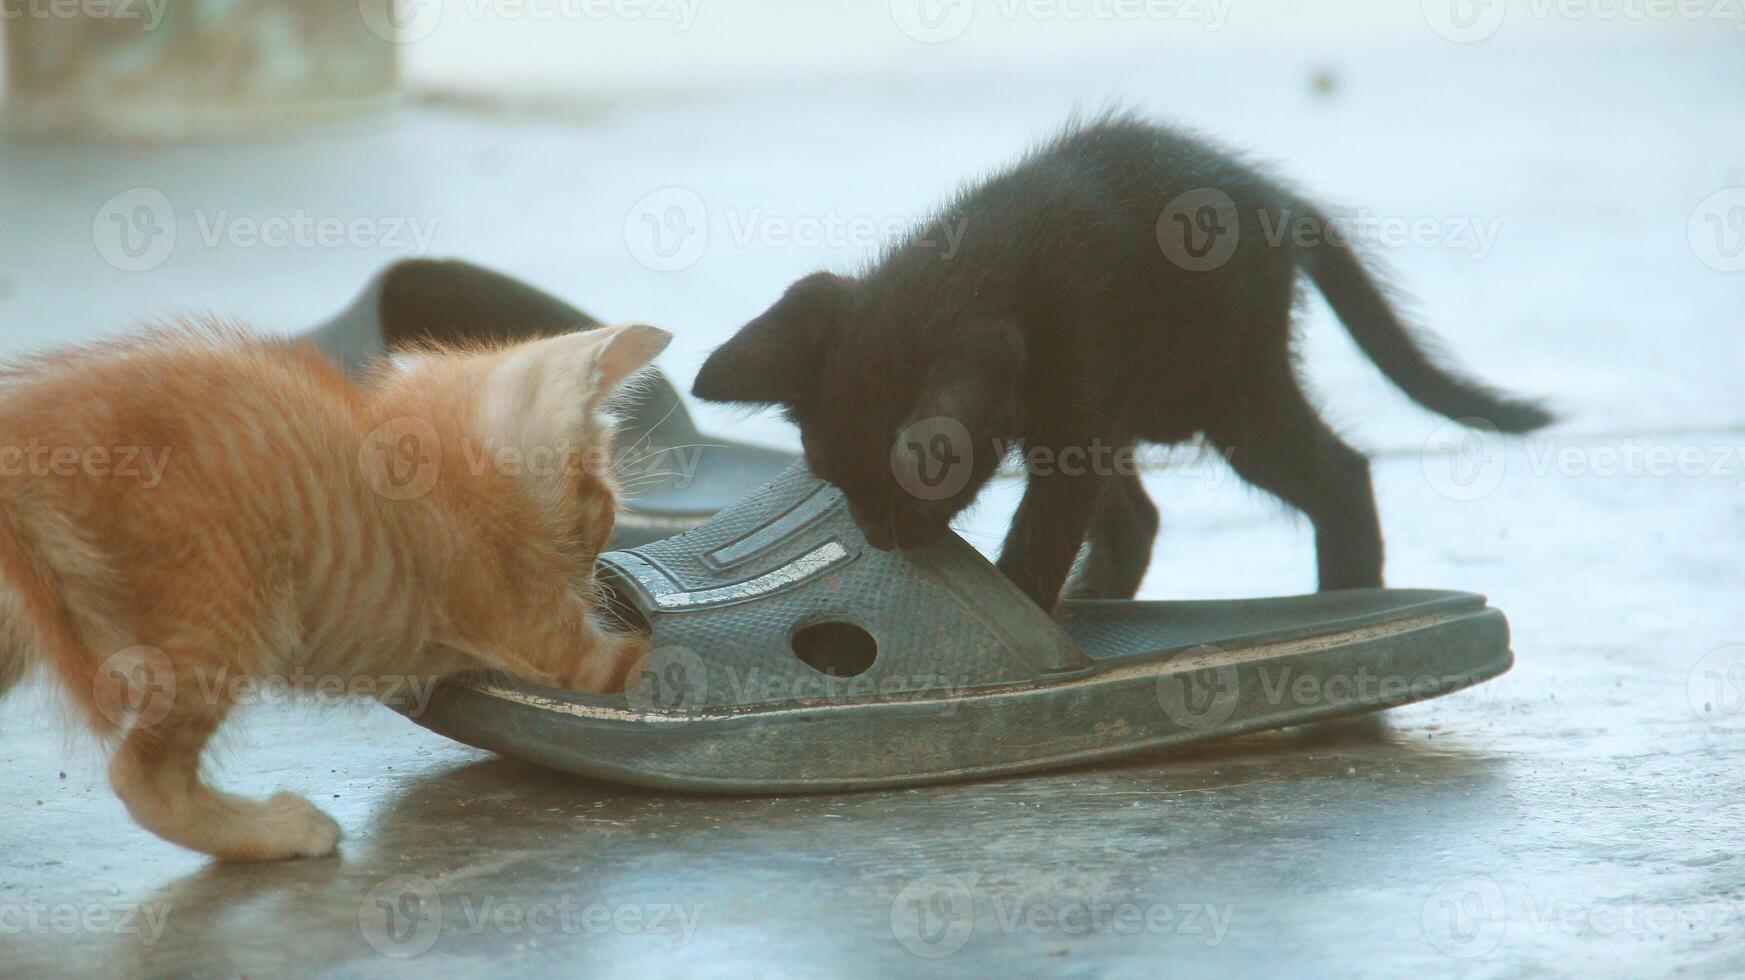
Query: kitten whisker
x,y
649,433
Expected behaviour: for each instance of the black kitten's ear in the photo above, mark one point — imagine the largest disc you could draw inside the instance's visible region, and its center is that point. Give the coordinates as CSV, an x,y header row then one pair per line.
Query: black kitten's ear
x,y
774,359
976,381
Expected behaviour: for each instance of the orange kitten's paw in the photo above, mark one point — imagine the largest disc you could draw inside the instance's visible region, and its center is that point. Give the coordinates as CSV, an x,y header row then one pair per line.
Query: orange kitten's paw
x,y
292,827
633,654
614,664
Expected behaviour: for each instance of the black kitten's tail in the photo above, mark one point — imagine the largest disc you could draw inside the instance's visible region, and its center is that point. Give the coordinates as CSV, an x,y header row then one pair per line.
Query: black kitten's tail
x,y
1364,309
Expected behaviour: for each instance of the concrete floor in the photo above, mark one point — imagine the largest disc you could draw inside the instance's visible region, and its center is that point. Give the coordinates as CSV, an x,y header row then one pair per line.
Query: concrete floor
x,y
1582,814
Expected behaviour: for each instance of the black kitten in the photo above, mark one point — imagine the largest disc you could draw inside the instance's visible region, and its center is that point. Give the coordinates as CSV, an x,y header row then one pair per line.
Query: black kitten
x,y
1123,284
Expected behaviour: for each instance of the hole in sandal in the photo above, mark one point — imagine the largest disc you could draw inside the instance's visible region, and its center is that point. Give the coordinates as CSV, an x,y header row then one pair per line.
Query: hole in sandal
x,y
837,649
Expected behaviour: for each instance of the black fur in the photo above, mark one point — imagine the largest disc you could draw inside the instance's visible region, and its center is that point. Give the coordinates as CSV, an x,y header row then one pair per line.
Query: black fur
x,y
1060,321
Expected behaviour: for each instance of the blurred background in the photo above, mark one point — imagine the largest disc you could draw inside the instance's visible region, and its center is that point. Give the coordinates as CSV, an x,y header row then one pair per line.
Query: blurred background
x,y
1557,185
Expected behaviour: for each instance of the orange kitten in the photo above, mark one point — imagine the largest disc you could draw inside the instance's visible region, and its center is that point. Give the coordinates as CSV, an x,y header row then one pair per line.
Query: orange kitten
x,y
187,514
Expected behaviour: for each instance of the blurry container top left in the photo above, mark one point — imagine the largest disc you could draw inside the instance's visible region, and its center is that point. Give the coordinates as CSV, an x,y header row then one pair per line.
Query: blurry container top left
x,y
175,69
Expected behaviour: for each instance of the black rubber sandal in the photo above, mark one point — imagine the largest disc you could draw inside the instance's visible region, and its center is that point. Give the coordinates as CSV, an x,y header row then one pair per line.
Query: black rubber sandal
x,y
790,656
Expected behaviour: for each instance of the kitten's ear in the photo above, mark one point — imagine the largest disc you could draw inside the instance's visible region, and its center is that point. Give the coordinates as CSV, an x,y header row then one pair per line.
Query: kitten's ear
x,y
619,352
548,392
774,359
976,381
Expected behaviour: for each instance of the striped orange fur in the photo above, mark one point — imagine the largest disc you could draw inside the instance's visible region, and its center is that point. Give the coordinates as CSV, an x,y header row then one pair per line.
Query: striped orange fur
x,y
189,513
